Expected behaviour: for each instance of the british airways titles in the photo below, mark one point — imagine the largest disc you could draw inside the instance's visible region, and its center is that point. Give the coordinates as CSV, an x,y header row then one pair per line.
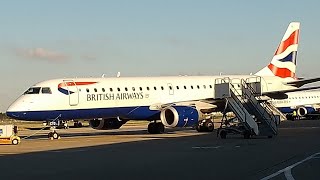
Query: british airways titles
x,y
115,96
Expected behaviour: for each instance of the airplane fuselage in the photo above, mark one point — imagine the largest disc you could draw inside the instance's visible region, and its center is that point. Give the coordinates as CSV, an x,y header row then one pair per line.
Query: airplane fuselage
x,y
124,97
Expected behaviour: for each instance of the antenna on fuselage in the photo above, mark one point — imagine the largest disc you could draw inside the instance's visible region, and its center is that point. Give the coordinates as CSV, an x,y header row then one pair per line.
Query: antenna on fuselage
x,y
103,75
118,74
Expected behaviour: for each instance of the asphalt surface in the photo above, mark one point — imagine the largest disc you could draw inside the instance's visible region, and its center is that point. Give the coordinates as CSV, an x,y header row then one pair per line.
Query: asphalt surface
x,y
131,153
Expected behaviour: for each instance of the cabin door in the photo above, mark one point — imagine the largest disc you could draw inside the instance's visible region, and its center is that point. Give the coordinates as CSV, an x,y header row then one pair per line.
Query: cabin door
x,y
170,87
73,92
236,83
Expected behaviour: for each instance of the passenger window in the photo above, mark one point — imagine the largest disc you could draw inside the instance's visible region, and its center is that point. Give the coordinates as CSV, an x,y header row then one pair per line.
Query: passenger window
x,y
177,87
46,90
170,87
185,87
103,90
87,90
133,88
126,89
148,88
198,86
140,88
111,89
210,86
191,87
204,86
162,88
95,90
155,88
118,89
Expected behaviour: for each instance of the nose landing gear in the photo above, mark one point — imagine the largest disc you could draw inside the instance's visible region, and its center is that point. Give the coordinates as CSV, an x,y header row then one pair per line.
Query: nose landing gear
x,y
53,135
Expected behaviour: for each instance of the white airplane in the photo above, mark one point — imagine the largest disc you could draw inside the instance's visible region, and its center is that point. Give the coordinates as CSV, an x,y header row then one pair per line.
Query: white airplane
x,y
177,101
304,103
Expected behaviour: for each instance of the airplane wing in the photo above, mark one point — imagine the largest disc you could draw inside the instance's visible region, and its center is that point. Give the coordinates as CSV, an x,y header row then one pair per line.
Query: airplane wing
x,y
282,94
301,82
204,105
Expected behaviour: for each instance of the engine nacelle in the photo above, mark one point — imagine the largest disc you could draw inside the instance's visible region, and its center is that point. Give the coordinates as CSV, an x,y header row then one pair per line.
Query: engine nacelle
x,y
179,116
302,111
103,124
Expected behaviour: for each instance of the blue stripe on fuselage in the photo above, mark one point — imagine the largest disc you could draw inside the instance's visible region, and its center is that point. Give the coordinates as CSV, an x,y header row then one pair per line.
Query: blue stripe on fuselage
x,y
132,113
285,109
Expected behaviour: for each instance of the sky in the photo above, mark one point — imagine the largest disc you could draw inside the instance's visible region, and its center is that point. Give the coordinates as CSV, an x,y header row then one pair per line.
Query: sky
x,y
43,39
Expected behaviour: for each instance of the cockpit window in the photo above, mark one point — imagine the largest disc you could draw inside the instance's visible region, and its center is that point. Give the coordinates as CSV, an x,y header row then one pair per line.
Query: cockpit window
x,y
33,90
46,90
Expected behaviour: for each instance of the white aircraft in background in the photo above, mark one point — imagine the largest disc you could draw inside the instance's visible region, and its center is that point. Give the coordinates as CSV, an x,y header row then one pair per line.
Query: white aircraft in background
x,y
176,101
304,103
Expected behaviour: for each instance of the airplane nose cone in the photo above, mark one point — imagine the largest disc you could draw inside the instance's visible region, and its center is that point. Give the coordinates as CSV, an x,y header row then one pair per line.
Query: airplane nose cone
x,y
15,112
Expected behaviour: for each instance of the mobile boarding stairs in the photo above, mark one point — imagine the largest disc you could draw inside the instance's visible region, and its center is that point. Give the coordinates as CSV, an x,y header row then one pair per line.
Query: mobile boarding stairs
x,y
254,117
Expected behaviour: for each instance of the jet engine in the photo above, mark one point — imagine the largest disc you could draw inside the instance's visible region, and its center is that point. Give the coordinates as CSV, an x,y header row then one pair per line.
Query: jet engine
x,y
179,116
302,111
103,124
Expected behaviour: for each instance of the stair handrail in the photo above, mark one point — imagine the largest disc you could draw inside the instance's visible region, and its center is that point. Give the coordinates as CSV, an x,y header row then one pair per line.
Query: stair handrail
x,y
233,93
251,90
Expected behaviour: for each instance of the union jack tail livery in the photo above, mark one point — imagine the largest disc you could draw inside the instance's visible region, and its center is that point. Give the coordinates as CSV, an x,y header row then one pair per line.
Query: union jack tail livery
x,y
283,63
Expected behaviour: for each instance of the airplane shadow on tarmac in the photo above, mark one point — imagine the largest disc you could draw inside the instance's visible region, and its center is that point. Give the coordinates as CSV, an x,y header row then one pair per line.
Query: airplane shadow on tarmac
x,y
102,132
194,157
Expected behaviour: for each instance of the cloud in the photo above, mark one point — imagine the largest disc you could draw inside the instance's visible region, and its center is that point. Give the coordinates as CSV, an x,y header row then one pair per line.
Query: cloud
x,y
42,54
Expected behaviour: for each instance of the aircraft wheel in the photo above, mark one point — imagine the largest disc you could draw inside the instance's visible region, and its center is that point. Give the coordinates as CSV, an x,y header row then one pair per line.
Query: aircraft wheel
x,y
223,134
77,124
159,128
15,141
151,128
155,128
201,126
209,126
198,128
50,135
80,124
55,135
289,117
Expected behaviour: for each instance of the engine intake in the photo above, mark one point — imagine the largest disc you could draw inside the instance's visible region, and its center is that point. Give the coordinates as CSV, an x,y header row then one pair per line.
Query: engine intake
x,y
303,111
103,124
179,116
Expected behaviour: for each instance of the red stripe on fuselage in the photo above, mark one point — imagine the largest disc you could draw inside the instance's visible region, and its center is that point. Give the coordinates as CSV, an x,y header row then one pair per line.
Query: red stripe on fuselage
x,y
84,83
74,83
293,39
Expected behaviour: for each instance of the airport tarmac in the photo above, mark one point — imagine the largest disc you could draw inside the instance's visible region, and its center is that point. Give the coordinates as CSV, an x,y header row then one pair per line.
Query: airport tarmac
x,y
132,153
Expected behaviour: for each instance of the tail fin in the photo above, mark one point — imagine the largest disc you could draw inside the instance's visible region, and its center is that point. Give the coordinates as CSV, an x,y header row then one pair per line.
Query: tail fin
x,y
283,63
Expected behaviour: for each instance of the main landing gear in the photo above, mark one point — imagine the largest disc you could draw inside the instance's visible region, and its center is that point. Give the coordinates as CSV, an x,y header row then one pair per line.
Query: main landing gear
x,y
155,127
77,124
205,125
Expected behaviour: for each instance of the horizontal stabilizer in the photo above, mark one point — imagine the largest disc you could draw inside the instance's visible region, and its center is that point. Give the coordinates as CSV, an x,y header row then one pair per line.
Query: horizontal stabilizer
x,y
282,94
299,83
